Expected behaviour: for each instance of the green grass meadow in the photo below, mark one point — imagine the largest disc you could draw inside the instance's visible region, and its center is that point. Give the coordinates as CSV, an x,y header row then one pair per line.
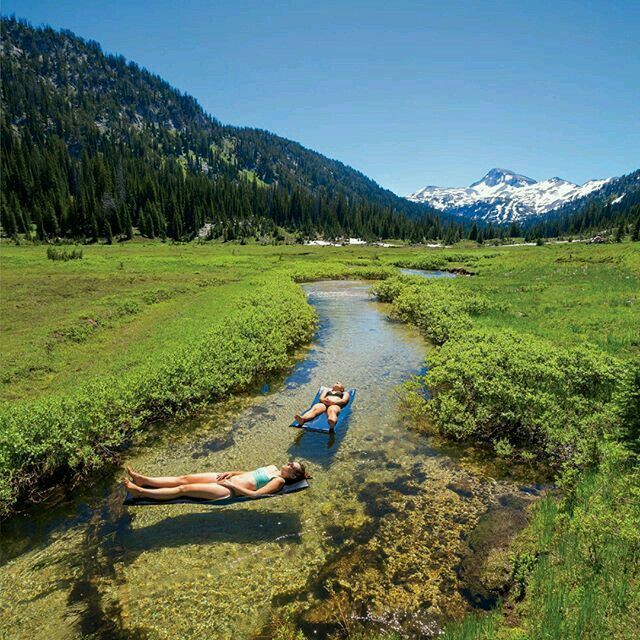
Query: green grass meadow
x,y
122,303
536,360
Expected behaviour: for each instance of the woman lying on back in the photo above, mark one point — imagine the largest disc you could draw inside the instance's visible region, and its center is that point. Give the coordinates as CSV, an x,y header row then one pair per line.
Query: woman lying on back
x,y
216,486
330,401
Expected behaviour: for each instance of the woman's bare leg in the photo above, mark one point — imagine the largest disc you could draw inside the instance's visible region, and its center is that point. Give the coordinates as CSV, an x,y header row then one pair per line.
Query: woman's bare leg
x,y
332,415
208,491
316,410
170,481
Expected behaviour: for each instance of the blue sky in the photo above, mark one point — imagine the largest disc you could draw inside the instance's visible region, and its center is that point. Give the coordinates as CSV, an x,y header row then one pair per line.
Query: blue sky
x,y
409,93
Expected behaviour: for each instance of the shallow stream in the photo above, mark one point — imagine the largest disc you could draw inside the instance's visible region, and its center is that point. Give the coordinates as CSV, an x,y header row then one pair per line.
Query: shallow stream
x,y
381,537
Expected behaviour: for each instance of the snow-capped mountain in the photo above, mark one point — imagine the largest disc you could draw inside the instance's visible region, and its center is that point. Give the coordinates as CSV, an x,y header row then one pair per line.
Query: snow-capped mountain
x,y
505,196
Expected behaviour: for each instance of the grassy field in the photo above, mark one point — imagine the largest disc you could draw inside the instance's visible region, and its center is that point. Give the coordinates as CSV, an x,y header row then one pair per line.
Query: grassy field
x,y
104,314
536,359
63,321
569,293
122,305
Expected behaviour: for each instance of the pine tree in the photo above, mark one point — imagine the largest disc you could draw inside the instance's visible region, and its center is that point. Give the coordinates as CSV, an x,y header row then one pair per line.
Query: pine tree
x,y
128,226
95,232
7,218
108,233
490,232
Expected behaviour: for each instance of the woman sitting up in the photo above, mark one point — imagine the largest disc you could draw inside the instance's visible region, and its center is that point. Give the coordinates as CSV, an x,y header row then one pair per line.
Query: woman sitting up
x,y
216,486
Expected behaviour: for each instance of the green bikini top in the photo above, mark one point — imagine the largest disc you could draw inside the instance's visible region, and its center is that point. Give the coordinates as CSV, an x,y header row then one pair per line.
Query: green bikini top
x,y
262,477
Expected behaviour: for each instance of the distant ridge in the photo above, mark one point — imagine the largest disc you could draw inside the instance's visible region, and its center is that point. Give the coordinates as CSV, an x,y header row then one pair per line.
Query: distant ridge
x,y
503,196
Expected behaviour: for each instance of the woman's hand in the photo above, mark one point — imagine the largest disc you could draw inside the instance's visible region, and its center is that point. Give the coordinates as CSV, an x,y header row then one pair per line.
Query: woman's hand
x,y
238,490
223,476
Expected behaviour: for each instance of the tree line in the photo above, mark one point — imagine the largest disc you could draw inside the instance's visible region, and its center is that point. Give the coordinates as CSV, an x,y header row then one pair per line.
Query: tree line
x,y
93,147
109,189
592,219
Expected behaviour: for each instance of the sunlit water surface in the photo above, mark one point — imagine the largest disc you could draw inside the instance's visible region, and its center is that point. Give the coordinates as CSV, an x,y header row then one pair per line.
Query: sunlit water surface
x,y
88,565
428,274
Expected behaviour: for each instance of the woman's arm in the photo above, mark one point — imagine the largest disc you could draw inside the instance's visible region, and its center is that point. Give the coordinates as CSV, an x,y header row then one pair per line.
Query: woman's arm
x,y
228,474
339,403
273,486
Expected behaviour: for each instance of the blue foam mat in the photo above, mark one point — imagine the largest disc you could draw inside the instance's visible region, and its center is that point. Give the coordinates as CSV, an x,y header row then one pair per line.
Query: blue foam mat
x,y
320,423
130,501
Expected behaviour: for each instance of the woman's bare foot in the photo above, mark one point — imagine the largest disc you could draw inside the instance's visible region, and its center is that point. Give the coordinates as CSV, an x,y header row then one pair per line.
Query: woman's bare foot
x,y
299,419
132,488
137,478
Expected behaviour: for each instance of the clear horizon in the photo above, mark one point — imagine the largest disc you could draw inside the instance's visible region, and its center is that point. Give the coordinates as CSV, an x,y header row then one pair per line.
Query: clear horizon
x,y
409,95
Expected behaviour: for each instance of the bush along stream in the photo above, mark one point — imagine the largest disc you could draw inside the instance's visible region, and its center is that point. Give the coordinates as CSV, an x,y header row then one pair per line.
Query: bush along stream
x,y
573,572
67,433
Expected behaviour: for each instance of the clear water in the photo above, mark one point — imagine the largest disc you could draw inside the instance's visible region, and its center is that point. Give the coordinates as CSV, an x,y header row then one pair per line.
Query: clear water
x,y
88,565
428,274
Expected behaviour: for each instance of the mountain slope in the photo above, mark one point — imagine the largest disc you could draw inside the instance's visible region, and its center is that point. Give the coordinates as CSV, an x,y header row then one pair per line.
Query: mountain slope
x,y
504,196
619,193
96,118
615,206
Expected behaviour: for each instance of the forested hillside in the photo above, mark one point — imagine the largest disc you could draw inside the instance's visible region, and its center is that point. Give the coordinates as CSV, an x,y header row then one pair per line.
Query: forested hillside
x,y
93,145
616,207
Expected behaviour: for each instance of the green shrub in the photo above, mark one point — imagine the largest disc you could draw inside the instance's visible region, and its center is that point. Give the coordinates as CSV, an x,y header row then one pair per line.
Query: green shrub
x,y
438,308
427,263
627,404
519,390
391,288
441,260
339,271
55,253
